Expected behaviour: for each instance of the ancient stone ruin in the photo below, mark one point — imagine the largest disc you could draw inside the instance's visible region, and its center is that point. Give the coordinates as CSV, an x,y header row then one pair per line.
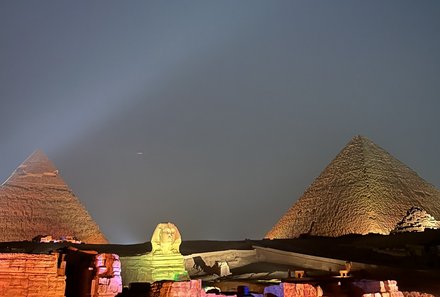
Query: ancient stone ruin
x,y
108,281
164,262
192,288
416,220
363,190
292,289
24,274
371,288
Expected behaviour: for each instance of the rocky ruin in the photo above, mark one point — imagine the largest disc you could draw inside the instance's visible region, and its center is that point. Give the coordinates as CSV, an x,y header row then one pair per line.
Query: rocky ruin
x,y
292,290
31,275
191,288
371,288
363,190
416,220
108,281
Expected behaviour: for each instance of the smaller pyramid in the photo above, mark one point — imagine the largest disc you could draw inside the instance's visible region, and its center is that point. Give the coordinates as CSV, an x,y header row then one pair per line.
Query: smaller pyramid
x,y
416,220
363,190
35,200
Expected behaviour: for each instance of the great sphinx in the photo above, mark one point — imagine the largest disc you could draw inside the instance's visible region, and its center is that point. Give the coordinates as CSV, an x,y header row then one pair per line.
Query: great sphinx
x,y
164,262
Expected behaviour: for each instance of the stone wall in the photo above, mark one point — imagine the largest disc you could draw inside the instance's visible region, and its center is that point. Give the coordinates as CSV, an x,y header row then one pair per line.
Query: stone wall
x,y
307,261
211,262
372,288
292,290
191,288
32,275
108,282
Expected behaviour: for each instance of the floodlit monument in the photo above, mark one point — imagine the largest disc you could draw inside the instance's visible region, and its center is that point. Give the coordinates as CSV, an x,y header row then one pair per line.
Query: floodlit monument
x,y
35,200
164,262
363,190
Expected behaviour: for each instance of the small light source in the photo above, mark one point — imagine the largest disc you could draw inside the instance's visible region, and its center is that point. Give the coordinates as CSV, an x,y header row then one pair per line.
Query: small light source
x,y
299,273
343,273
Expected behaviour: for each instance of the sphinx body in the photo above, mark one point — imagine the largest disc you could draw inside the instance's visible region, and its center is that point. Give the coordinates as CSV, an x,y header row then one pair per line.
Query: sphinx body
x,y
164,262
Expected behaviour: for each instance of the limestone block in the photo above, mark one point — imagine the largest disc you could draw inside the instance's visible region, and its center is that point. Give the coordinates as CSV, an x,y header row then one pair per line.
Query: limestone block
x,y
293,290
276,290
109,282
386,288
36,278
15,292
191,288
310,290
391,286
224,268
319,292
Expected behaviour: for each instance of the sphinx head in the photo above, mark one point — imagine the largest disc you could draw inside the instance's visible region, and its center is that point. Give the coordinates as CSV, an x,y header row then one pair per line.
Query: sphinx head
x,y
166,239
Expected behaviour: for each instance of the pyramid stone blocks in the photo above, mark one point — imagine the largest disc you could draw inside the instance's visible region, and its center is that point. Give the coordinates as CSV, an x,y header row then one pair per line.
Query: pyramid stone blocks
x,y
35,200
363,190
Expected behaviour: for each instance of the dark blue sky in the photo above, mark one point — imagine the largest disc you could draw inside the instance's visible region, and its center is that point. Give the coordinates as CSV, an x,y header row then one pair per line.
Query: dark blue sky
x,y
236,106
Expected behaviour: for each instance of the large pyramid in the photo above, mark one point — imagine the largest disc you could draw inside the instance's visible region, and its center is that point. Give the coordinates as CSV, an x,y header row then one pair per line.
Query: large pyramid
x,y
36,201
363,190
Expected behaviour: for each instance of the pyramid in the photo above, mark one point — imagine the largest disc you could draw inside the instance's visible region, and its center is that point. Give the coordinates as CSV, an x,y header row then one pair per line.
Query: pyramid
x,y
416,220
363,190
35,200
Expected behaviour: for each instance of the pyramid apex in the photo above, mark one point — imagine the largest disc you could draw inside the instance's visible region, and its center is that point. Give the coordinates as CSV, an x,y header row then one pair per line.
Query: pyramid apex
x,y
360,138
36,169
38,152
37,155
361,142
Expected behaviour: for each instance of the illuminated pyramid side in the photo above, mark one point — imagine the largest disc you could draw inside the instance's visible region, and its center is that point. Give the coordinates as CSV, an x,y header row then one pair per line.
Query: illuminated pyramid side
x,y
363,190
35,200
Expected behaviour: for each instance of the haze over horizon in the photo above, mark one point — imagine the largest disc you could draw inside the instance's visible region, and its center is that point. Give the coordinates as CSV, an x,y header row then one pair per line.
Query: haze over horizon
x,y
215,116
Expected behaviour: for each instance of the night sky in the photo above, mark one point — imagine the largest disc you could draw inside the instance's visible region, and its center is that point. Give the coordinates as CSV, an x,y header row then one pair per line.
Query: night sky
x,y
214,115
